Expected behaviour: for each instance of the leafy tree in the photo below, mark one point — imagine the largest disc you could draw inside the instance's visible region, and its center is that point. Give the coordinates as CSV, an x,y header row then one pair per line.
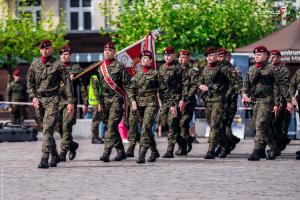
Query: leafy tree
x,y
189,24
20,36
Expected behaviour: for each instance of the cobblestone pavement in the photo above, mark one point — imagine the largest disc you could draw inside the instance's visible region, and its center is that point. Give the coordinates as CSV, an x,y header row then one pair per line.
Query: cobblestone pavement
x,y
189,177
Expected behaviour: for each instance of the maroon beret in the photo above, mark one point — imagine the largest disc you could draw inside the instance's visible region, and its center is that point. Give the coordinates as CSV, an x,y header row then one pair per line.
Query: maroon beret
x,y
275,52
260,49
146,53
110,45
17,72
223,51
210,51
169,50
45,43
184,52
65,48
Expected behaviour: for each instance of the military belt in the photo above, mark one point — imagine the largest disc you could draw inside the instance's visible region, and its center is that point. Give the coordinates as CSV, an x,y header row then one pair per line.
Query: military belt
x,y
147,94
48,94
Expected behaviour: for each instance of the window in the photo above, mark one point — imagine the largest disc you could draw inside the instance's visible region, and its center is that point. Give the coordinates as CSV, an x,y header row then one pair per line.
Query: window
x,y
79,14
32,7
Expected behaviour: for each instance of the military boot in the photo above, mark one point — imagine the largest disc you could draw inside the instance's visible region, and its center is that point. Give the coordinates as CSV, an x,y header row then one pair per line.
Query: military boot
x,y
154,154
178,152
44,163
297,152
130,152
183,148
223,153
142,154
255,155
190,143
54,159
272,154
97,140
62,157
121,155
210,154
105,155
234,142
297,156
217,151
169,153
73,147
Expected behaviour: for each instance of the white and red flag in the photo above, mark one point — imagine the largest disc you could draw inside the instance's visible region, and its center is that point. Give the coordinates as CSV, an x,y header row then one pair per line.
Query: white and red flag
x,y
130,56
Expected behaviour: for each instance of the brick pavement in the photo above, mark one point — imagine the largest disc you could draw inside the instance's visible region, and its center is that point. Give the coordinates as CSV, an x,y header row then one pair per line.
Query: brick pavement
x,y
189,177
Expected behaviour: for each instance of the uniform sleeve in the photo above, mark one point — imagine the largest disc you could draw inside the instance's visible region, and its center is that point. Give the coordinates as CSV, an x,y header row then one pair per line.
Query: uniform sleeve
x,y
83,91
126,79
67,82
132,89
227,73
286,81
8,92
31,87
276,90
293,86
193,88
246,85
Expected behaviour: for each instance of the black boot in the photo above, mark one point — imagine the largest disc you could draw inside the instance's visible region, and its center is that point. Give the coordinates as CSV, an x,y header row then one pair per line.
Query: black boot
x,y
217,151
178,152
297,152
298,157
190,143
130,152
154,155
54,159
73,147
142,154
262,153
255,155
121,155
169,153
210,154
234,142
97,140
183,148
272,154
105,155
44,163
62,157
223,153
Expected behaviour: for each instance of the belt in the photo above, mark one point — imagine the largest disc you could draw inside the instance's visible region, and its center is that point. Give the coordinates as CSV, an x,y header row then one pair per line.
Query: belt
x,y
48,94
147,94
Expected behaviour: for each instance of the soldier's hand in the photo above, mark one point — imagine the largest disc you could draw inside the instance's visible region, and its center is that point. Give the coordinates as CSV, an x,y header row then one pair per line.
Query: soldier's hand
x,y
203,88
36,102
70,109
85,109
173,110
245,99
290,107
134,106
275,110
181,105
72,77
294,101
100,108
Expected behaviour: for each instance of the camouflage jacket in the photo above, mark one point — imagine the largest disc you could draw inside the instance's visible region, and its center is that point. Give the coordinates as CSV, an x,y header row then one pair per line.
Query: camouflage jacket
x,y
219,85
282,75
295,85
43,80
16,91
170,83
74,69
144,88
120,76
260,83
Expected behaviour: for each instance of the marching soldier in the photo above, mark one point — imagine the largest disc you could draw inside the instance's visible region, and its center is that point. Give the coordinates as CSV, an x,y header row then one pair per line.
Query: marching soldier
x,y
113,76
16,92
260,88
43,81
65,122
143,95
171,87
214,84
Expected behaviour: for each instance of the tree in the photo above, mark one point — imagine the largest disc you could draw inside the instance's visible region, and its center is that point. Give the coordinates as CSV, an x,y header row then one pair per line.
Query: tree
x,y
20,37
190,24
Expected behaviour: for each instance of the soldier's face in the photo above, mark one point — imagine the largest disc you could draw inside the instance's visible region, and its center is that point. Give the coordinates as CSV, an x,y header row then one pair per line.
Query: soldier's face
x,y
16,78
211,58
65,57
146,61
261,57
221,58
169,58
275,59
184,59
109,53
46,51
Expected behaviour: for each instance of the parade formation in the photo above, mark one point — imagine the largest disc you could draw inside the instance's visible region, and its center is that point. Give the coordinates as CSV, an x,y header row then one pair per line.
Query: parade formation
x,y
168,93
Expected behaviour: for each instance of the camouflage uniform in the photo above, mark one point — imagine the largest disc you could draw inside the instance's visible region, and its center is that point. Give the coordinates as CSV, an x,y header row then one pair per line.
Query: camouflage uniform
x,y
112,108
65,122
260,84
295,86
16,92
43,82
144,89
170,81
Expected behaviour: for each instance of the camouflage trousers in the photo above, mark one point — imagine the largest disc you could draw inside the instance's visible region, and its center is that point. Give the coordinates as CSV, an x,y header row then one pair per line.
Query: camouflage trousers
x,y
46,118
18,114
214,114
96,121
64,127
186,118
262,116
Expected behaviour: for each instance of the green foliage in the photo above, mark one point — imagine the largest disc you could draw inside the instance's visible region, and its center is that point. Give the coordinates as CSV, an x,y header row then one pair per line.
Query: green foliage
x,y
20,37
190,24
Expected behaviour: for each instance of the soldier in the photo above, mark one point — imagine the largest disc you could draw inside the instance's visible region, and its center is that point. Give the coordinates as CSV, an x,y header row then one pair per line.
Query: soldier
x,y
16,92
43,81
224,58
214,83
187,103
113,77
282,121
65,122
260,88
171,86
143,95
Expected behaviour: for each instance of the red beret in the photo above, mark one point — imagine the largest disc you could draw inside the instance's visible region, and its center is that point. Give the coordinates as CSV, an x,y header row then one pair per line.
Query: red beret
x,y
110,45
210,50
45,43
260,49
169,50
223,51
65,48
184,52
146,53
275,52
17,72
